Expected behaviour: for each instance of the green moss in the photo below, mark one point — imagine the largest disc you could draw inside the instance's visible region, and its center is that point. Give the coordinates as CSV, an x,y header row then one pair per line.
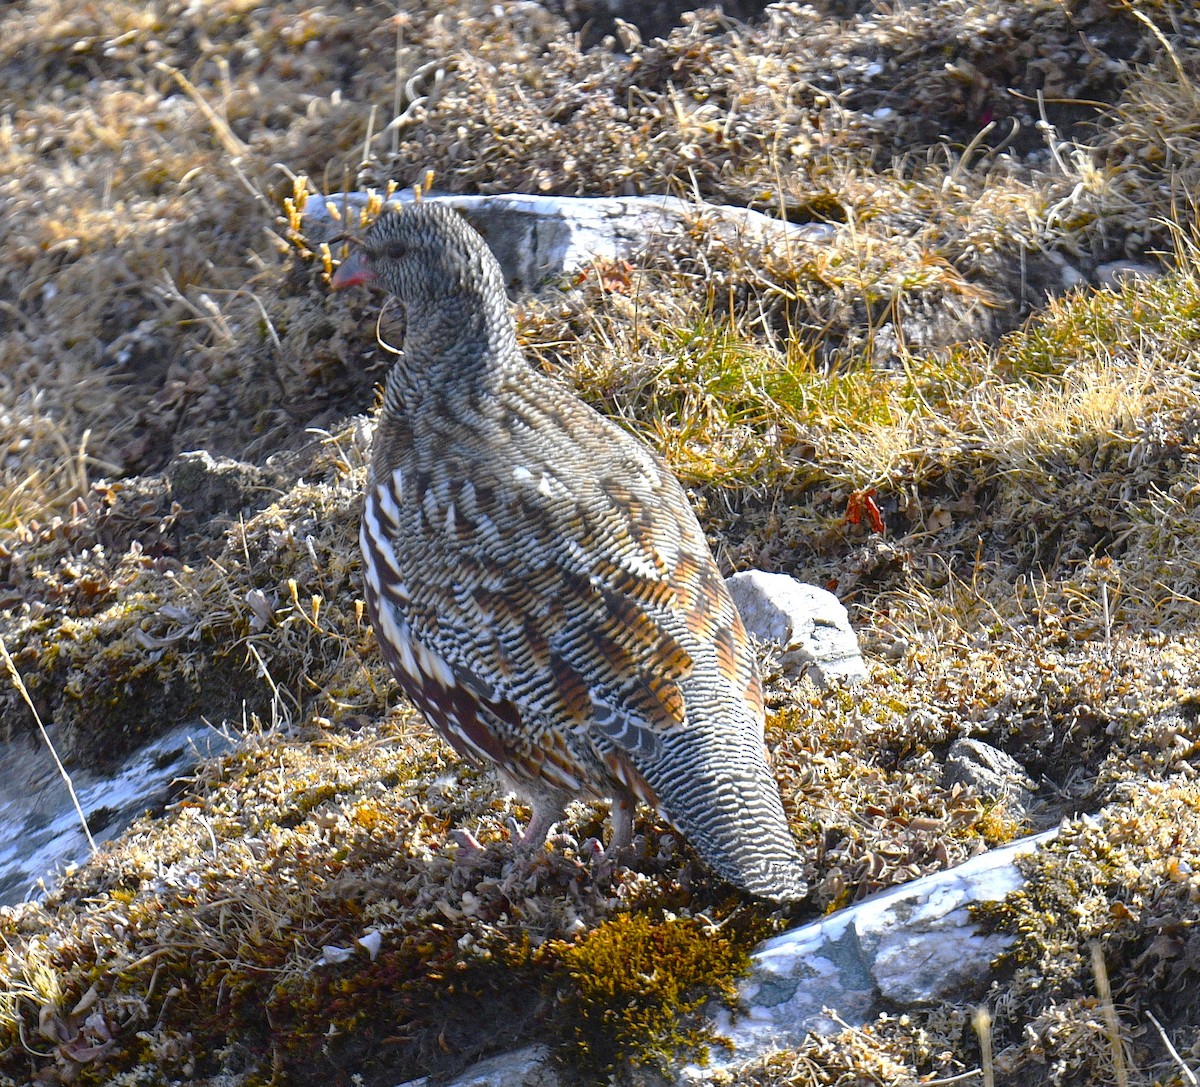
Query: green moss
x,y
633,986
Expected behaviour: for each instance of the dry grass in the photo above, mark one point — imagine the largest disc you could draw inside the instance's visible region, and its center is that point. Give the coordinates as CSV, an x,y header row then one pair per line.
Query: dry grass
x,y
1034,454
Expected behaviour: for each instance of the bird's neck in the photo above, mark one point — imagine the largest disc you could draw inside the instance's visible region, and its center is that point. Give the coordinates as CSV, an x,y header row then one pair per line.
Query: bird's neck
x,y
461,342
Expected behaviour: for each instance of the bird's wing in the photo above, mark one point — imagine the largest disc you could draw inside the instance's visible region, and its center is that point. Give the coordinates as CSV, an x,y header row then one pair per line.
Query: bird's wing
x,y
580,592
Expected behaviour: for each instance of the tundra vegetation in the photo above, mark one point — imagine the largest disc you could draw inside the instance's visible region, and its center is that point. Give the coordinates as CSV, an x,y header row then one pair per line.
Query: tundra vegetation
x,y
973,412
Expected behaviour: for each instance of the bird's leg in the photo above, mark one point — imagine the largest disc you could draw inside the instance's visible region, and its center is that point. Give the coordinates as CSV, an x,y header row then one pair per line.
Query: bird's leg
x,y
621,818
547,811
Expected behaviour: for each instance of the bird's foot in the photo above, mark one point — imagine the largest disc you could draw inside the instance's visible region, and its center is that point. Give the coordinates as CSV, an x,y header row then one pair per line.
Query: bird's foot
x,y
541,823
468,845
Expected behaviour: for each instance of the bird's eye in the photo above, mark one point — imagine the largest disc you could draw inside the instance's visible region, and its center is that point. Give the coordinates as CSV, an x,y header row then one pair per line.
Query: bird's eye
x,y
394,250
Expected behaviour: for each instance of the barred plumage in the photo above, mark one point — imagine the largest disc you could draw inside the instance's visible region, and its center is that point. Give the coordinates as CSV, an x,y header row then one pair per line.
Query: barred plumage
x,y
539,584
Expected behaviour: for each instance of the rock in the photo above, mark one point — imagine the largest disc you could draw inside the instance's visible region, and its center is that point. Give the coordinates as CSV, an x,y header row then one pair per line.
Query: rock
x,y
1072,276
39,827
536,238
1116,272
994,774
206,486
1068,274
904,947
810,625
522,1068
909,945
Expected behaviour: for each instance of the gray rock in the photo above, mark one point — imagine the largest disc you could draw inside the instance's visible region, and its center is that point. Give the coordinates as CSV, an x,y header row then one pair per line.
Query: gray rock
x,y
810,626
206,486
1069,275
39,827
991,772
522,1068
906,946
1116,272
536,238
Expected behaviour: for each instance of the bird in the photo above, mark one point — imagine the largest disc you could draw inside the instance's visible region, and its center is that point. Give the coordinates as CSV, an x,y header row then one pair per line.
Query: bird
x,y
539,583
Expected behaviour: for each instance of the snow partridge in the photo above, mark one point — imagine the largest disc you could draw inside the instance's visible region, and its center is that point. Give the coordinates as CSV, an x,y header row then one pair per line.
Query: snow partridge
x,y
539,584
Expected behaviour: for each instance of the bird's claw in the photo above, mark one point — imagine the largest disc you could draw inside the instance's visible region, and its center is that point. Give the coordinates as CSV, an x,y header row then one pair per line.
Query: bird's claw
x,y
468,845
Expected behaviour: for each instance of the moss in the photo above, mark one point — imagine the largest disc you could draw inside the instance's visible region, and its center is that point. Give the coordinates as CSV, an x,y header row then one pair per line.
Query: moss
x,y
998,824
231,932
633,985
1124,885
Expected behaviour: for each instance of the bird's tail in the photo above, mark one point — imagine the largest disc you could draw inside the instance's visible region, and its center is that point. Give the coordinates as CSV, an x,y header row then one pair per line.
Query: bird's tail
x,y
716,787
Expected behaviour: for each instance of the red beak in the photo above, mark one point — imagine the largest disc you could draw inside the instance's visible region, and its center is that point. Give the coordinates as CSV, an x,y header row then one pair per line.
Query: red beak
x,y
355,269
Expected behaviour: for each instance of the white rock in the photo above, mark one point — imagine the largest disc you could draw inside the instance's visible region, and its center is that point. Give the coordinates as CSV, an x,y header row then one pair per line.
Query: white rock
x,y
1116,272
810,625
39,828
909,945
1071,276
538,237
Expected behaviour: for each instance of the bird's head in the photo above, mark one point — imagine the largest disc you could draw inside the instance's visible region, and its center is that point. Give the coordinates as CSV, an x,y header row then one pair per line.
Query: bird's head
x,y
420,254
457,325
